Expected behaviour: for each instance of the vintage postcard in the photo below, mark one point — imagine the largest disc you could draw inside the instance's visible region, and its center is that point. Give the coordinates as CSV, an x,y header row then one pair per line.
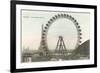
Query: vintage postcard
x,y
55,35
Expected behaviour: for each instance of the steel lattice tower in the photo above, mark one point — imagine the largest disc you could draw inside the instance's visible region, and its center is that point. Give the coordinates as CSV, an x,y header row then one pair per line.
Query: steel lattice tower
x,y
43,45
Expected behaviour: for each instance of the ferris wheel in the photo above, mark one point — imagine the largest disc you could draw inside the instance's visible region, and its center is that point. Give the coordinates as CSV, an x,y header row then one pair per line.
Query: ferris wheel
x,y
45,29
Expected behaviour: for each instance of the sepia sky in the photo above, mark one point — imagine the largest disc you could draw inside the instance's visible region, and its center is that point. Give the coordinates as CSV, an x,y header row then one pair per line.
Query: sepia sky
x,y
31,29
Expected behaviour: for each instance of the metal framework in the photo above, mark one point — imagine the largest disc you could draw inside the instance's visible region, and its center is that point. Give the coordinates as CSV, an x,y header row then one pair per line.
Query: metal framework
x,y
61,48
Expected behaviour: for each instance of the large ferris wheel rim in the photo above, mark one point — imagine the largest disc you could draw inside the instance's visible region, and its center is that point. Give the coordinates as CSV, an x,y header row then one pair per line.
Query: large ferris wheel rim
x,y
58,16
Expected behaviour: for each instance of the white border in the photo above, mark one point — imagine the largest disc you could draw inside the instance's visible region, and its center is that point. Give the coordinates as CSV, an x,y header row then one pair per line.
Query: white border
x,y
20,65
